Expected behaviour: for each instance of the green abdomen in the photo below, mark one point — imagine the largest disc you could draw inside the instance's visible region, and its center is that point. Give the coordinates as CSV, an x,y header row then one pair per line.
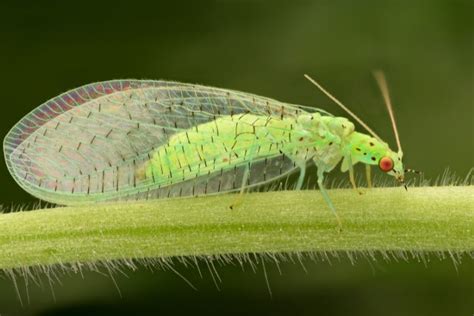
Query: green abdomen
x,y
228,144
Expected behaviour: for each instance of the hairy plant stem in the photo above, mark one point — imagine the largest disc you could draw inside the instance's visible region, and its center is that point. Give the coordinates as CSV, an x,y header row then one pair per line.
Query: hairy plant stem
x,y
382,219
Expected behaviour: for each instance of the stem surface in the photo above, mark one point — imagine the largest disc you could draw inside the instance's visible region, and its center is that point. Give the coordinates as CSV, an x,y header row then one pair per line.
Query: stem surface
x,y
382,219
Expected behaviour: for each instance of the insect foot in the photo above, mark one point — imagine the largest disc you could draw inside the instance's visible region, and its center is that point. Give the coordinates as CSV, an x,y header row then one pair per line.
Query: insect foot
x,y
237,202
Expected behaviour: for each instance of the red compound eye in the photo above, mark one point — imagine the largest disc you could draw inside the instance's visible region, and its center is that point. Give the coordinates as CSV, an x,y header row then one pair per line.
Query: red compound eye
x,y
386,164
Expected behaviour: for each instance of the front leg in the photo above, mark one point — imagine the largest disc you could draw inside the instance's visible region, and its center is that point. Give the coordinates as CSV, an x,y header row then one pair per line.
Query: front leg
x,y
351,175
368,176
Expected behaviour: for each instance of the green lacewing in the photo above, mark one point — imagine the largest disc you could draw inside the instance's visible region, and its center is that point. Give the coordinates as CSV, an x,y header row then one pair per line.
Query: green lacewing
x,y
145,139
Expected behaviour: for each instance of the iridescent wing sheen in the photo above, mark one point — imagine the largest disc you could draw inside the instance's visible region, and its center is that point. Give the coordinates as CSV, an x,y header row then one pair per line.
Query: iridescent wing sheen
x,y
85,145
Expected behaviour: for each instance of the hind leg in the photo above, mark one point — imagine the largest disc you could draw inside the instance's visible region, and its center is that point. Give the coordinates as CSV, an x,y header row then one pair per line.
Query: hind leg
x,y
243,188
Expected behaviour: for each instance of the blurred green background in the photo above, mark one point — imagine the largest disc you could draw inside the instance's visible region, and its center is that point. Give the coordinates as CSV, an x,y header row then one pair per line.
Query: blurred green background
x,y
264,47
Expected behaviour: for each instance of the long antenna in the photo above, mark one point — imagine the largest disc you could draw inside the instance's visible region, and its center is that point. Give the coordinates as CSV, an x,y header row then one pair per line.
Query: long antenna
x,y
330,96
382,83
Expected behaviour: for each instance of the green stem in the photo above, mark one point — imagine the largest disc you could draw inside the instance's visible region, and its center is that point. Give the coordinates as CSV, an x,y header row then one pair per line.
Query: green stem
x,y
383,219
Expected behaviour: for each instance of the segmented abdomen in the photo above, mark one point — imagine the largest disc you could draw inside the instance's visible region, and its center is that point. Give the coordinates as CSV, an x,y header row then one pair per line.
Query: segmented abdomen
x,y
228,145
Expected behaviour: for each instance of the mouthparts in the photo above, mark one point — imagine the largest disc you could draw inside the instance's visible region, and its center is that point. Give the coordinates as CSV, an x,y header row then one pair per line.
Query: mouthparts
x,y
401,180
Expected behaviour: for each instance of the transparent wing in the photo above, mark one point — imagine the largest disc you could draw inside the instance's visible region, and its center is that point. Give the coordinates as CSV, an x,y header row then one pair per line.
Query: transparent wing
x,y
85,145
